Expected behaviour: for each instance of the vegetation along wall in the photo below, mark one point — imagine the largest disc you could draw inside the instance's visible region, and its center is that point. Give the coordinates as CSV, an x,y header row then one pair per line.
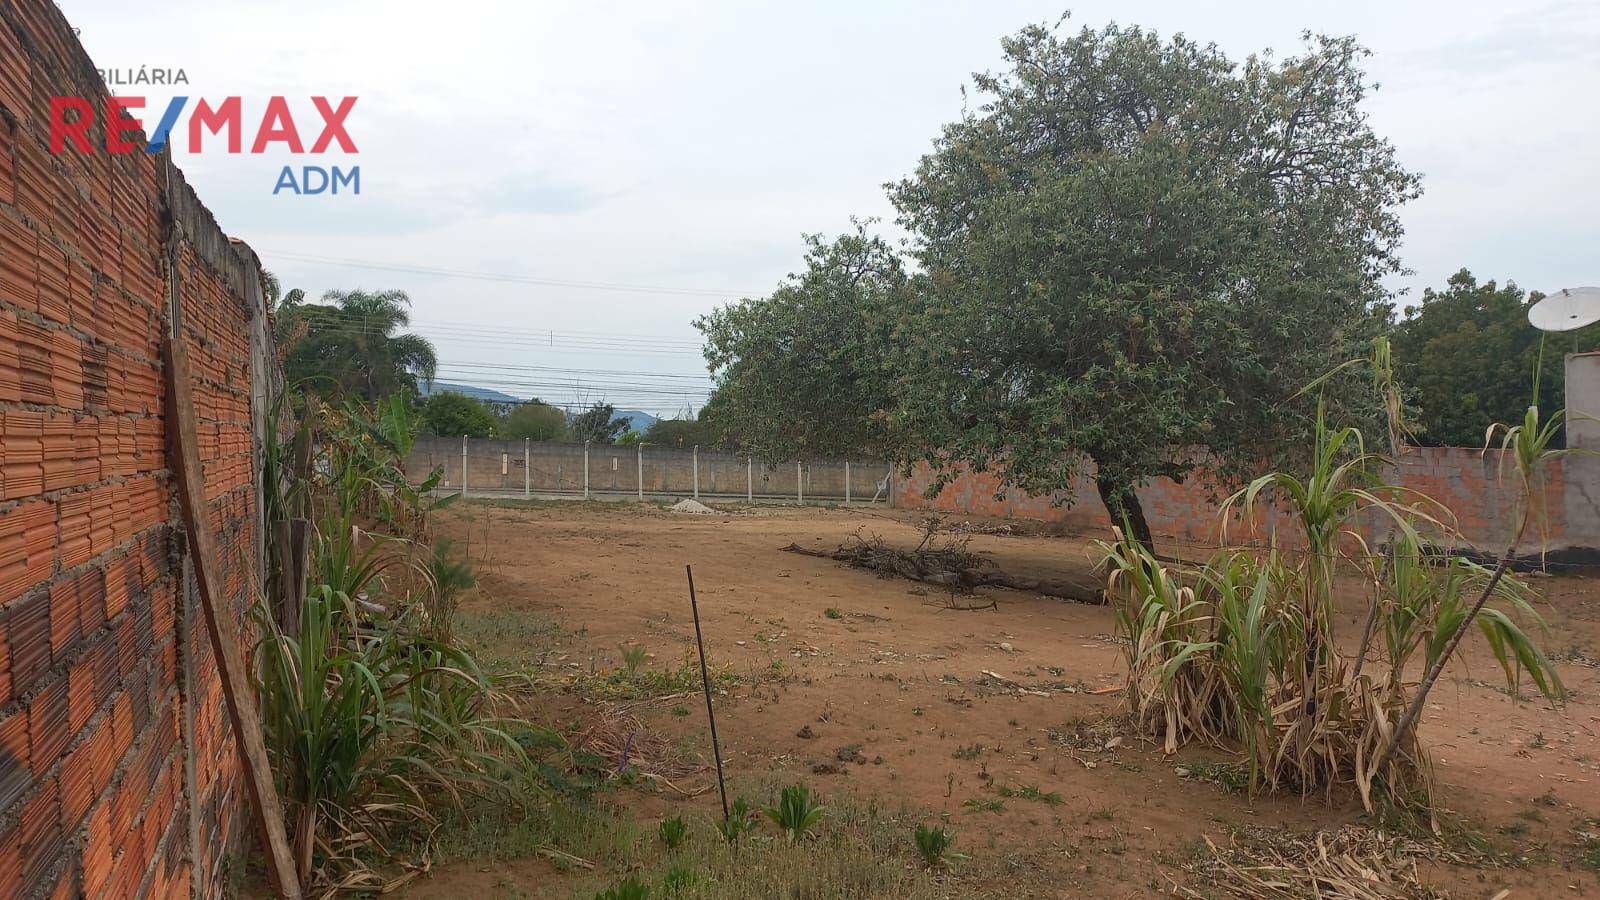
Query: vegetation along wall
x,y
117,773
1467,481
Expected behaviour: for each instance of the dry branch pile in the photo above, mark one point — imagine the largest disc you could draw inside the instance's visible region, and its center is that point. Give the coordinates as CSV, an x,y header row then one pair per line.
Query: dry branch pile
x,y
949,564
1354,863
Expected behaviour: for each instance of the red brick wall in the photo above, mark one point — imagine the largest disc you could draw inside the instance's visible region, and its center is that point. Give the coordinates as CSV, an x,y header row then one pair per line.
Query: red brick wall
x,y
1466,481
117,776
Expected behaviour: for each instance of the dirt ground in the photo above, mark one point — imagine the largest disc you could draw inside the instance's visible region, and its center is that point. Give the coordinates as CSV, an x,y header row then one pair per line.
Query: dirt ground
x,y
873,686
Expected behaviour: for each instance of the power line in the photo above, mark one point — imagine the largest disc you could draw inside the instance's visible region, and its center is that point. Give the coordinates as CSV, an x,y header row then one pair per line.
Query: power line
x,y
526,368
508,278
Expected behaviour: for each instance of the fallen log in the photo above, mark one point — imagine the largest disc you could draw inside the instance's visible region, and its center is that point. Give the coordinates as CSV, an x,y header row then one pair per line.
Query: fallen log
x,y
951,568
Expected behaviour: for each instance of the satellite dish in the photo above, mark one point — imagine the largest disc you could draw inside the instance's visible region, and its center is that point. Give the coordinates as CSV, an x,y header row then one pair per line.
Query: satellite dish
x,y
1566,310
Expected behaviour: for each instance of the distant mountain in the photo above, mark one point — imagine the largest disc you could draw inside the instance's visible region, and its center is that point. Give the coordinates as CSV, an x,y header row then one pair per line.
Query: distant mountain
x,y
637,419
478,393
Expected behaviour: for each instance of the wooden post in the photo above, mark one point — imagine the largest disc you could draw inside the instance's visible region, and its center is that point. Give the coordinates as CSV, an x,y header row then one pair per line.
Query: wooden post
x,y
696,460
220,627
463,465
639,448
585,470
800,483
526,468
749,479
847,482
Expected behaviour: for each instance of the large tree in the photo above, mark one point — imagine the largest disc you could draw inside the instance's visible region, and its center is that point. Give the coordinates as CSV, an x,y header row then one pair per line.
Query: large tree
x,y
453,414
534,421
810,369
351,344
1467,354
599,423
1135,252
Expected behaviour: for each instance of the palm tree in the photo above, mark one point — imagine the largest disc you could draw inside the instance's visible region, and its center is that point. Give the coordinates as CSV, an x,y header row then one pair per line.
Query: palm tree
x,y
347,345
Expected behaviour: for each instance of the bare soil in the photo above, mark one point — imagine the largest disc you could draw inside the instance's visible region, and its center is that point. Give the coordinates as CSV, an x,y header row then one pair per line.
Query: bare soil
x,y
874,686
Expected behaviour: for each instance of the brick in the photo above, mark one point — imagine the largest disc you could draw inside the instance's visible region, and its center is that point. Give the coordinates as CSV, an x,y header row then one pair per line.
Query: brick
x,y
8,162
98,851
47,725
65,623
5,660
77,785
16,69
28,624
19,264
11,862
42,840
16,771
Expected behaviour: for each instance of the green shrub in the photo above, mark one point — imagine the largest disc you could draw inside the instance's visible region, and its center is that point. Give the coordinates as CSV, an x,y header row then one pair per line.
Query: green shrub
x,y
795,812
672,832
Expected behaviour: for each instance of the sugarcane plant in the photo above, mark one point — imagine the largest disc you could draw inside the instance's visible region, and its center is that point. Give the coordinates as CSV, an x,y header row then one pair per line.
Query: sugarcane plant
x,y
1240,652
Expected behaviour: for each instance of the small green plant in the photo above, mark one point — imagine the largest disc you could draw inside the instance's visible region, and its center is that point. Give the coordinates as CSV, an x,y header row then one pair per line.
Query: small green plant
x,y
672,832
740,820
1230,776
1589,849
449,573
678,879
1032,792
633,656
833,612
795,812
971,751
629,888
679,710
985,804
934,845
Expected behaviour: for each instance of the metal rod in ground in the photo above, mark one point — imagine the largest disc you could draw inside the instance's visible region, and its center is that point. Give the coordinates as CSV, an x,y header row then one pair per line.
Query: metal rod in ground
x,y
705,679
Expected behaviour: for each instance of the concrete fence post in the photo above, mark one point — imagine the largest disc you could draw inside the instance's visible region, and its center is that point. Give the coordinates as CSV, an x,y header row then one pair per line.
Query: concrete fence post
x,y
696,460
463,465
527,467
585,470
847,482
800,483
749,479
1580,472
640,449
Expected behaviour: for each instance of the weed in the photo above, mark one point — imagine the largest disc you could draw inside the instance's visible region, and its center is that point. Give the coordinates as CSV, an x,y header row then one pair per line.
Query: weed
x,y
633,657
934,845
1032,792
740,821
971,751
679,710
1230,776
796,812
629,888
833,612
984,804
672,832
678,880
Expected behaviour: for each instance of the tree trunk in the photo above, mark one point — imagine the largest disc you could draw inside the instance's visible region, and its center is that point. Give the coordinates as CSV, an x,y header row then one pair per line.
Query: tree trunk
x,y
1122,502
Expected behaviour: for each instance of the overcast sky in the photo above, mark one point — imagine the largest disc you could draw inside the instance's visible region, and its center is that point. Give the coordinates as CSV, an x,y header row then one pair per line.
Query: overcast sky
x,y
687,146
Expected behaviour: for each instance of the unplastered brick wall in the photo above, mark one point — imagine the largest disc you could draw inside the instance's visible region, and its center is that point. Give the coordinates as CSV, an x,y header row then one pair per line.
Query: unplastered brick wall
x,y
118,776
1478,493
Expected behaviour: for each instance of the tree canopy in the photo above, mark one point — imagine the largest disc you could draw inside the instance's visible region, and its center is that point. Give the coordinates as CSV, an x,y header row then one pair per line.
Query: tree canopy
x,y
449,414
598,423
1467,355
1135,252
534,421
349,346
809,370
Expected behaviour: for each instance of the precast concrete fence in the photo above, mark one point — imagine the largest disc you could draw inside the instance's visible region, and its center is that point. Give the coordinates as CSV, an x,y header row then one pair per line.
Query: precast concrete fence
x,y
489,467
